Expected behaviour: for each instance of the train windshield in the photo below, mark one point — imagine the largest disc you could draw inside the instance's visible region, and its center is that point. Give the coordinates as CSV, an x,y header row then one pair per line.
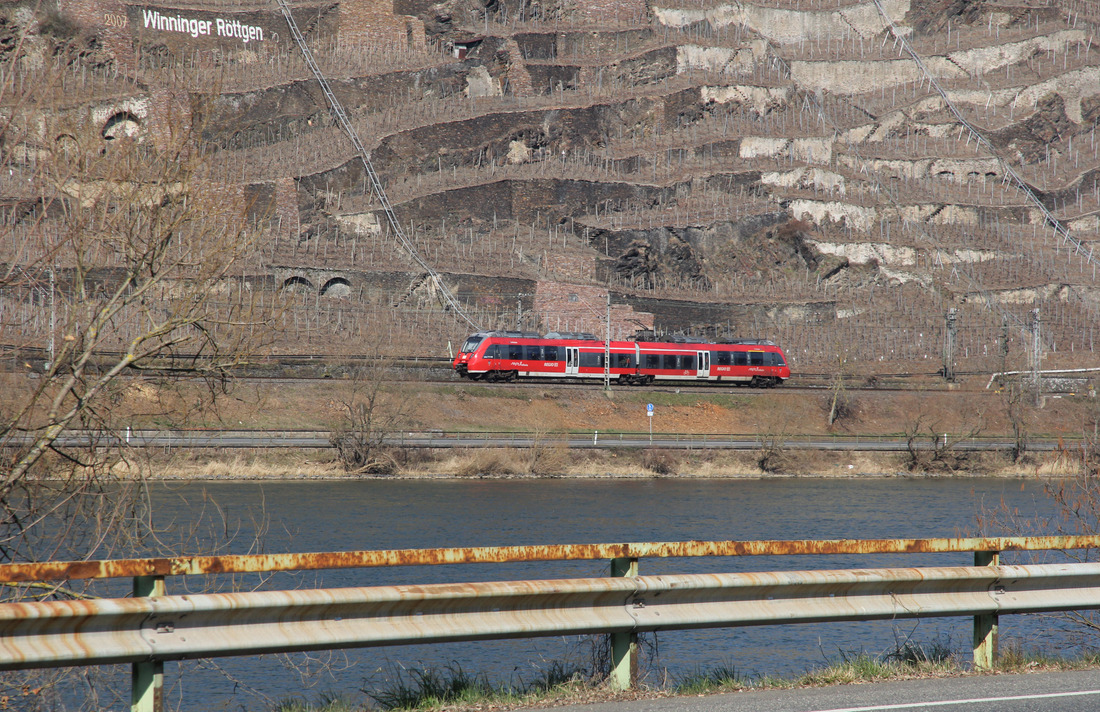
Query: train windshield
x,y
471,343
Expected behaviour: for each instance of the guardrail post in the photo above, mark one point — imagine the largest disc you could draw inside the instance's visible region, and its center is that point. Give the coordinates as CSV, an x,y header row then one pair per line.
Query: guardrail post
x,y
985,625
147,677
624,646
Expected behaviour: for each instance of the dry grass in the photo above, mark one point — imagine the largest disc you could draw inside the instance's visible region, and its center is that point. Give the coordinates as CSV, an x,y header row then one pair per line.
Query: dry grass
x,y
556,460
489,462
223,465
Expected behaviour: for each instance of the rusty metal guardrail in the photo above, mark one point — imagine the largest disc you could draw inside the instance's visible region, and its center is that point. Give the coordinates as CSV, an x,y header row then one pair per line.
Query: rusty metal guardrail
x,y
97,632
152,627
263,563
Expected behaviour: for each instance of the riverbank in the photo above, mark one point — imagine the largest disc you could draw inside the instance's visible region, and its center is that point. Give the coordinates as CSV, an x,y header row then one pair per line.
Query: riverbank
x,y
927,412
557,462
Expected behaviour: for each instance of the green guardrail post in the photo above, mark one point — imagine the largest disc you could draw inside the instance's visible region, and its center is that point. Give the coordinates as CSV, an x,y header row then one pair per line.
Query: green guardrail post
x,y
985,624
147,677
624,646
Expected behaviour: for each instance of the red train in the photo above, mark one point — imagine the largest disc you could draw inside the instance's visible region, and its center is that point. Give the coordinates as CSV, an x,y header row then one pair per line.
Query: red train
x,y
507,355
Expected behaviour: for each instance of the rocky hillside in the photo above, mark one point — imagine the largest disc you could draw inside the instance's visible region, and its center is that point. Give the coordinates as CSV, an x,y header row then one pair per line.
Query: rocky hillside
x,y
846,178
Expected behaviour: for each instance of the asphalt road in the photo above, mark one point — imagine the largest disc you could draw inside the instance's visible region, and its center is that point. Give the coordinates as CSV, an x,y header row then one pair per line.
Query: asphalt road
x,y
1077,691
437,439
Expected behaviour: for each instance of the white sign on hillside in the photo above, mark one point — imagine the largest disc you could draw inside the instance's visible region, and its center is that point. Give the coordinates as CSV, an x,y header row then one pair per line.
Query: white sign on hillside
x,y
196,27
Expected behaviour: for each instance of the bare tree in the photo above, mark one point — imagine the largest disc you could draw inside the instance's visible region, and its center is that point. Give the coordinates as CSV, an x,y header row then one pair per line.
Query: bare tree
x,y
372,412
119,253
839,402
1076,510
929,448
1018,414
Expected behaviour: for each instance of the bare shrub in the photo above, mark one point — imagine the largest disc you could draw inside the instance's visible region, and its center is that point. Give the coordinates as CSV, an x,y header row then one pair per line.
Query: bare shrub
x,y
661,462
372,415
548,458
773,456
929,449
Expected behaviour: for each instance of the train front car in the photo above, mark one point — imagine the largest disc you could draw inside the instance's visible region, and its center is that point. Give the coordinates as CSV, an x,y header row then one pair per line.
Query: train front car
x,y
505,356
466,353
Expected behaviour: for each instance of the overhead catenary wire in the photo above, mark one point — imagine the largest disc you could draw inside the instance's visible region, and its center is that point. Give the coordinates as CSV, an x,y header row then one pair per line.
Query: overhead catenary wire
x,y
884,189
1009,171
376,183
1080,250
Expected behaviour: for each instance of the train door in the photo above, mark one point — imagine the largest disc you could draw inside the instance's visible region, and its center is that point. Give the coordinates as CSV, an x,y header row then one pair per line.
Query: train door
x,y
572,360
704,364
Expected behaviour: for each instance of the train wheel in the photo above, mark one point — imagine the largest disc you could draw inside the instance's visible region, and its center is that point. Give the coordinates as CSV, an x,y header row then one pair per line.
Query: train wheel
x,y
511,376
755,382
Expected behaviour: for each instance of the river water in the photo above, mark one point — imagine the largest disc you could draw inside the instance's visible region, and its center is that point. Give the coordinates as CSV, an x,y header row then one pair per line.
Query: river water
x,y
380,514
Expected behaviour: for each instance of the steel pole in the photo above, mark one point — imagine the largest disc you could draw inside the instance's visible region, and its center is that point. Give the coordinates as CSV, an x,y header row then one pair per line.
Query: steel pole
x,y
624,646
147,677
985,624
607,346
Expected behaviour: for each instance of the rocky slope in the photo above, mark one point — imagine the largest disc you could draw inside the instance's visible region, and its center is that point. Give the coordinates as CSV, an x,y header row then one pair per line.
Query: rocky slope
x,y
836,176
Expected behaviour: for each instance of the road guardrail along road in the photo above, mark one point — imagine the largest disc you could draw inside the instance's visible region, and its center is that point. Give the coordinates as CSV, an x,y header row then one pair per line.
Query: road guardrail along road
x,y
153,627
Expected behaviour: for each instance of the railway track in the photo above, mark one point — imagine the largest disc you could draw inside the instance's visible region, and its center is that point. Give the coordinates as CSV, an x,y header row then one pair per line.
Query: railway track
x,y
311,368
794,386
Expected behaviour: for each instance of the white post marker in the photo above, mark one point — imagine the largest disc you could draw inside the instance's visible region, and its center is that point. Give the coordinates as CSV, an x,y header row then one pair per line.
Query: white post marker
x,y
649,414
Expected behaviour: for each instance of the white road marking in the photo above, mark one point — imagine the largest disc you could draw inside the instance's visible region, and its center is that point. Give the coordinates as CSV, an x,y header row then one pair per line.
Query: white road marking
x,y
976,700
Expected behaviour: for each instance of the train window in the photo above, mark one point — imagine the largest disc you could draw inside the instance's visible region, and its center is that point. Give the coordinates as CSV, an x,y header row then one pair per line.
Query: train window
x,y
494,351
623,361
591,360
515,351
756,358
740,358
687,361
652,361
550,353
532,353
720,358
471,344
779,359
671,361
